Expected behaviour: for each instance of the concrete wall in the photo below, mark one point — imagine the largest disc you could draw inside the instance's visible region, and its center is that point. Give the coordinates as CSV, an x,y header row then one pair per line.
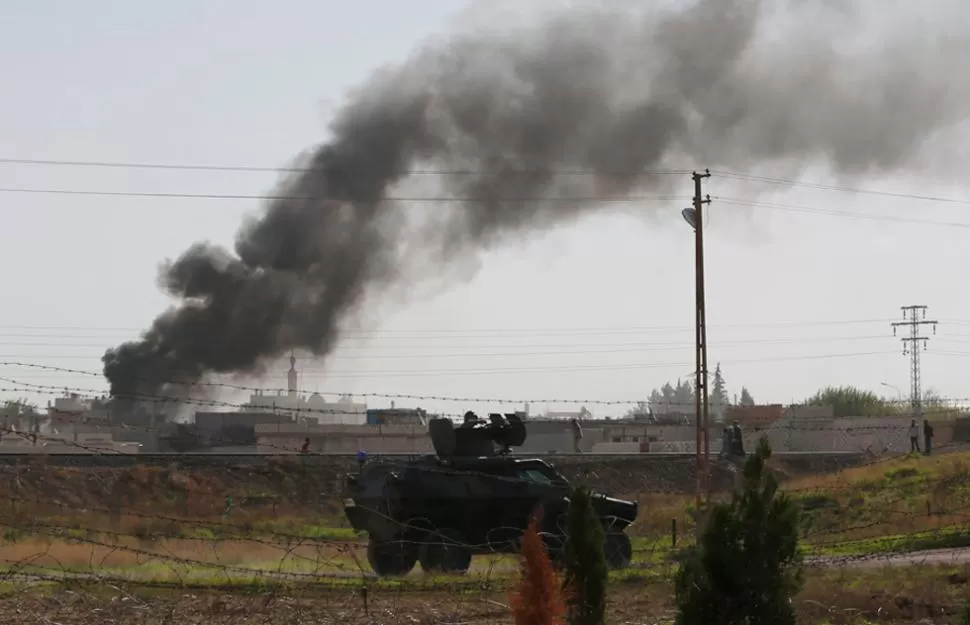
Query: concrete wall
x,y
85,444
545,435
283,438
550,436
791,433
876,434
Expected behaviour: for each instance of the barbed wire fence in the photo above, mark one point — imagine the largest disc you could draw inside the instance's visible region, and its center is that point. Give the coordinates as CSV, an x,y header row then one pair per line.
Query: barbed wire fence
x,y
226,547
113,536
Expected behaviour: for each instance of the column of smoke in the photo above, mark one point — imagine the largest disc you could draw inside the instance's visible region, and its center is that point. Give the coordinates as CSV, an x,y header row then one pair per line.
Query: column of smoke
x,y
611,93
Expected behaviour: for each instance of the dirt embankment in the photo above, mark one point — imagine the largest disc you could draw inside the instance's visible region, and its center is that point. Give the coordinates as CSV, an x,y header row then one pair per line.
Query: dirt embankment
x,y
285,487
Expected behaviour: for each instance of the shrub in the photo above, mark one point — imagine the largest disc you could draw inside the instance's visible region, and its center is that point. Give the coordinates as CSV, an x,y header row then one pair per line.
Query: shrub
x,y
536,599
747,566
586,570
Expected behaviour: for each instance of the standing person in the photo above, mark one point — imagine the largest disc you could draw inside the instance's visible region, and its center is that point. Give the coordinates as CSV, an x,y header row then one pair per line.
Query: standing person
x,y
577,436
927,436
738,440
913,436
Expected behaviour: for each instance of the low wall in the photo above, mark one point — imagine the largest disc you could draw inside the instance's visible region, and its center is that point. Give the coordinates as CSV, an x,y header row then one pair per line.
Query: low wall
x,y
878,435
794,433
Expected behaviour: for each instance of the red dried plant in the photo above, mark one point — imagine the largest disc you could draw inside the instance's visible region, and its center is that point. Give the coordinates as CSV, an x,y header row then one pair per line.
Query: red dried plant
x,y
536,598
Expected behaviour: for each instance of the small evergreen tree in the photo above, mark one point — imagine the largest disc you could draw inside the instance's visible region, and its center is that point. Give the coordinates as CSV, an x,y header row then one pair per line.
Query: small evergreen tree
x,y
747,566
536,599
746,399
585,559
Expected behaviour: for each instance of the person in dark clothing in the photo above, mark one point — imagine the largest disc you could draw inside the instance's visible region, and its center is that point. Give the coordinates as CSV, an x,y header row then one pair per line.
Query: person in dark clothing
x,y
928,436
737,440
577,436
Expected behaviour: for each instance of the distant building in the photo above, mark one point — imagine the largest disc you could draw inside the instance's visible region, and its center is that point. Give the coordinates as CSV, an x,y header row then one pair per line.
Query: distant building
x,y
289,408
72,409
219,429
582,414
309,409
755,416
397,416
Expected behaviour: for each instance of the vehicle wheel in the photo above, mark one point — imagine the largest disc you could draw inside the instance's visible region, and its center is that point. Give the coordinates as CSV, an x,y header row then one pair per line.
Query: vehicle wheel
x,y
618,550
391,558
556,549
446,551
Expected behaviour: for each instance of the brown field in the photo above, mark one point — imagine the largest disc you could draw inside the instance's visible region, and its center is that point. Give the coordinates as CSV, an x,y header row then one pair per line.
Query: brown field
x,y
271,546
924,595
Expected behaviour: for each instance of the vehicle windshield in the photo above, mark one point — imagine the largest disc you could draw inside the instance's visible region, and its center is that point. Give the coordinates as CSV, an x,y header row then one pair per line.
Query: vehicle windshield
x,y
534,475
540,475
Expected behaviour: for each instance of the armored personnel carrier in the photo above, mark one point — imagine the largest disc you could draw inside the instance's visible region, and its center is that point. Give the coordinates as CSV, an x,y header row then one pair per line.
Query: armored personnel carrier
x,y
472,497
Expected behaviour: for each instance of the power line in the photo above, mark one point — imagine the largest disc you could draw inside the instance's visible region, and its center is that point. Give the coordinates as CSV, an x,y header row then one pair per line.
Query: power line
x,y
249,168
599,199
531,331
837,213
308,198
609,348
842,189
517,370
615,349
732,175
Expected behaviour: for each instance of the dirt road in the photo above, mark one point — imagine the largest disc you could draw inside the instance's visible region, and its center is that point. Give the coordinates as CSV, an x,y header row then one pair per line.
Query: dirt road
x,y
935,557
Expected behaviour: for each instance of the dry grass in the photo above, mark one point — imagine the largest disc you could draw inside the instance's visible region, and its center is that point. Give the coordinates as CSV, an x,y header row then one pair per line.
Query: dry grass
x,y
176,560
908,593
889,596
129,551
202,560
902,496
158,535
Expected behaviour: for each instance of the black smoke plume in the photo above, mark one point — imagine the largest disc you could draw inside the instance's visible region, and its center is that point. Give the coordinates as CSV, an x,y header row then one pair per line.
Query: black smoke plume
x,y
508,119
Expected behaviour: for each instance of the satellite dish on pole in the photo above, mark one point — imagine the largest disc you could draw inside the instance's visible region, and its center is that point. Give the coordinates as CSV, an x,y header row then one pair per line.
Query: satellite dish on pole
x,y
689,216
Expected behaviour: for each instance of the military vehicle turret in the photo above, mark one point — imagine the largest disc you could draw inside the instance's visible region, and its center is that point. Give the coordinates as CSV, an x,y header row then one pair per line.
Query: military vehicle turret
x,y
472,497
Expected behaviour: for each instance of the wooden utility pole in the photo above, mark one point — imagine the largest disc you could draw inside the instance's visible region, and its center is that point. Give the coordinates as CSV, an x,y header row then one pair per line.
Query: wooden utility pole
x,y
694,216
702,404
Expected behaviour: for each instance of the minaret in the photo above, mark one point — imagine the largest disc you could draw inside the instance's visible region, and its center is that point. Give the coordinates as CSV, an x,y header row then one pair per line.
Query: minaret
x,y
291,376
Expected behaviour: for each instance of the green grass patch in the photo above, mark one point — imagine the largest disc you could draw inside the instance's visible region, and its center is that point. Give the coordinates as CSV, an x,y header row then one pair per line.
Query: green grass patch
x,y
946,538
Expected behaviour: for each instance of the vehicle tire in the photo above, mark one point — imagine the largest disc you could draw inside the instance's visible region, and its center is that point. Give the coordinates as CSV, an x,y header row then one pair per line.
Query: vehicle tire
x,y
556,549
552,529
392,558
618,550
445,551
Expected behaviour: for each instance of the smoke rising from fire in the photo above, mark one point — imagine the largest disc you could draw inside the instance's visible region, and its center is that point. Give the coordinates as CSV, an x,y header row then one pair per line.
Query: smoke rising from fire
x,y
613,94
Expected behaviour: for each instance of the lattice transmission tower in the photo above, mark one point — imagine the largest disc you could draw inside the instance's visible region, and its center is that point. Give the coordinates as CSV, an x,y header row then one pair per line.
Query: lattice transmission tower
x,y
915,318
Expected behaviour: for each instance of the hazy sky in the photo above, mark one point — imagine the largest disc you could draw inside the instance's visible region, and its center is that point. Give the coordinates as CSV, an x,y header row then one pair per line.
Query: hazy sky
x,y
599,310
